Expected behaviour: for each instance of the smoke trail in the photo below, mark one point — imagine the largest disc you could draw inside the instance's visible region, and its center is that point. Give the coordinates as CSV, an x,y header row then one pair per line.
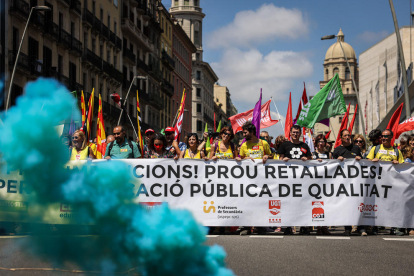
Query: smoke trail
x,y
160,242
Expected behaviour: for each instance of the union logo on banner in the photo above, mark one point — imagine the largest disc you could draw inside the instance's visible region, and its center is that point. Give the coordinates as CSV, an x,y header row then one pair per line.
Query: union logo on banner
x,y
318,212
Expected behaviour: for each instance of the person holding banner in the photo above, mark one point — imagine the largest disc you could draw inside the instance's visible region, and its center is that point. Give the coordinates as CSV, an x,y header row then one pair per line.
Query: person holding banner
x,y
224,149
386,152
156,148
80,148
320,152
121,148
360,142
253,148
347,150
172,144
149,134
192,152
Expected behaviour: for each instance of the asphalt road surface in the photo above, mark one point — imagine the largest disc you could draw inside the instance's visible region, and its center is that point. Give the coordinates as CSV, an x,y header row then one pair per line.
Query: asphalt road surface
x,y
274,254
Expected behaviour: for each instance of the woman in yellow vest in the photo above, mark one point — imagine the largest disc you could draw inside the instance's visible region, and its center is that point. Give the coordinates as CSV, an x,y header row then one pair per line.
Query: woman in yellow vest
x,y
80,149
224,149
191,152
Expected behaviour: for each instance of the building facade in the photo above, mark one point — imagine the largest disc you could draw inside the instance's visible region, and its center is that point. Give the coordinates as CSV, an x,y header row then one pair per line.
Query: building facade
x,y
224,106
335,63
183,48
380,74
189,16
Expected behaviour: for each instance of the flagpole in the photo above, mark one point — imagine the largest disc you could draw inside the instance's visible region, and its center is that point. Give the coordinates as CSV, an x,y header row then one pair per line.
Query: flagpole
x,y
283,125
331,127
131,123
126,97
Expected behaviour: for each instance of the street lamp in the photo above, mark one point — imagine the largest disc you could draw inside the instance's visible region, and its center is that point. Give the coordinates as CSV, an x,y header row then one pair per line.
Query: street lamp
x,y
132,82
39,8
327,37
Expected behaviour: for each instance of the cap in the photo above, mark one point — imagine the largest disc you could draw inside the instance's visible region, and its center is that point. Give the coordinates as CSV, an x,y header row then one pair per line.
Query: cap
x,y
239,129
169,129
149,130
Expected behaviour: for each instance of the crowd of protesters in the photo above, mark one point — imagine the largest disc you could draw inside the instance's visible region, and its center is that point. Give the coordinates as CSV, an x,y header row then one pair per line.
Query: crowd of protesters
x,y
224,146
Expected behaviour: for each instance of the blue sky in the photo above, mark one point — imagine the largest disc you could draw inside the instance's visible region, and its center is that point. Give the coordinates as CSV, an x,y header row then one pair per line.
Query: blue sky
x,y
275,45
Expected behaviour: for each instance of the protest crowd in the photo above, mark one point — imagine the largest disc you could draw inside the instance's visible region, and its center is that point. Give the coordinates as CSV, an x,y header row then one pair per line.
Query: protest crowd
x,y
223,145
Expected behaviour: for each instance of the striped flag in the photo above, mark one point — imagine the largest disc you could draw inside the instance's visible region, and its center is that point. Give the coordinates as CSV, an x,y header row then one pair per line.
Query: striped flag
x,y
179,123
139,121
88,122
100,133
83,109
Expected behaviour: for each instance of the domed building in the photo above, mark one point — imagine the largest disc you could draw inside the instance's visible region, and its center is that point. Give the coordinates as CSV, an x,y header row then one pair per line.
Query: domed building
x,y
335,63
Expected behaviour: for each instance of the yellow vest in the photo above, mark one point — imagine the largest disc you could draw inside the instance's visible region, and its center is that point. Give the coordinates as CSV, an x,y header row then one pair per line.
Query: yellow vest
x,y
223,155
82,155
187,156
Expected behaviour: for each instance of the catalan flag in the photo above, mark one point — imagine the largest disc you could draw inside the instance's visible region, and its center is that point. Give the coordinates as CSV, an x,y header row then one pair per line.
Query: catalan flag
x,y
100,133
139,126
83,108
88,122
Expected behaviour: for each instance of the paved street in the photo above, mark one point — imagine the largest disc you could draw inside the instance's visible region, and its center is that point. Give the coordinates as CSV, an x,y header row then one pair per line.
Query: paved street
x,y
275,254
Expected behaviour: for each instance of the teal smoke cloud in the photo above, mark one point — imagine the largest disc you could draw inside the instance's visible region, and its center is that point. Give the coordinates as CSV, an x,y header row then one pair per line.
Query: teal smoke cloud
x,y
157,242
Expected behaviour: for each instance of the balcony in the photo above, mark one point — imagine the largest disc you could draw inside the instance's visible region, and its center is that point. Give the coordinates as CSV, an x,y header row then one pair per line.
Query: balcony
x,y
207,119
130,28
116,75
88,17
141,65
118,43
168,87
107,68
167,59
65,39
112,37
92,58
126,84
76,6
97,24
23,63
186,8
52,29
76,46
156,101
129,55
20,8
111,110
154,70
104,31
38,19
141,8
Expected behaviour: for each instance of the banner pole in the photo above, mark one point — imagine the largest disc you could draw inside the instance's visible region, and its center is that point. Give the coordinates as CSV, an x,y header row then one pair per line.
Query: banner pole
x,y
283,125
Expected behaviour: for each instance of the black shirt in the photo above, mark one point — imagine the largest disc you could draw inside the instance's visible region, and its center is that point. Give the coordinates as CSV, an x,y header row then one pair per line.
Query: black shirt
x,y
350,151
326,155
294,151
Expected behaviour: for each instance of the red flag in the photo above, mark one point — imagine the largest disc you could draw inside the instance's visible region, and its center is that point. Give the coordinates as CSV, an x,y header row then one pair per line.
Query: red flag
x,y
327,135
289,122
393,123
100,133
407,125
303,101
179,123
351,125
344,125
266,120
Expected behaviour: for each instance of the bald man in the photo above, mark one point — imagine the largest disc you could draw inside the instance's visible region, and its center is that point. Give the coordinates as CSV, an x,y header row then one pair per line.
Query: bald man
x,y
121,148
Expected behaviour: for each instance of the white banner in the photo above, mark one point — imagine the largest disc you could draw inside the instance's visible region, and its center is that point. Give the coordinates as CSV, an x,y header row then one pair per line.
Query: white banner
x,y
296,193
247,193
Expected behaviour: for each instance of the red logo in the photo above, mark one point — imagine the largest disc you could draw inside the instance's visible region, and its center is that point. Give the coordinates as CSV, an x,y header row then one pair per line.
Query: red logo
x,y
65,207
275,220
317,210
367,208
255,147
274,207
303,150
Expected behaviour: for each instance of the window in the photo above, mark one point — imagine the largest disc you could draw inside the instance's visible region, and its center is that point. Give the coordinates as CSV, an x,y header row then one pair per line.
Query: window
x,y
340,119
335,70
93,7
199,126
196,3
326,72
347,74
198,75
198,108
115,61
115,28
198,92
108,56
101,15
186,2
196,38
197,56
85,81
176,3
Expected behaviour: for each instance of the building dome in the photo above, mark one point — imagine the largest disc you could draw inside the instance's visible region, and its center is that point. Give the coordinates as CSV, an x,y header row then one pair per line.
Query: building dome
x,y
335,50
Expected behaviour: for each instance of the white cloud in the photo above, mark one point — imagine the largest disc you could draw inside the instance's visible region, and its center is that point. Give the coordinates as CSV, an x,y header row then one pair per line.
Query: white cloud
x,y
265,24
245,72
372,37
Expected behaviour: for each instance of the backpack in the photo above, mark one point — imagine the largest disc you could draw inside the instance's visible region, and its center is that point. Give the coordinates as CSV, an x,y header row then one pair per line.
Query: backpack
x,y
216,148
111,145
377,148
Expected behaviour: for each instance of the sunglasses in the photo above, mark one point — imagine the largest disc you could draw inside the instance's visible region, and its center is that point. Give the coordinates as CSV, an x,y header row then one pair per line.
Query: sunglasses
x,y
75,137
117,133
358,141
226,134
